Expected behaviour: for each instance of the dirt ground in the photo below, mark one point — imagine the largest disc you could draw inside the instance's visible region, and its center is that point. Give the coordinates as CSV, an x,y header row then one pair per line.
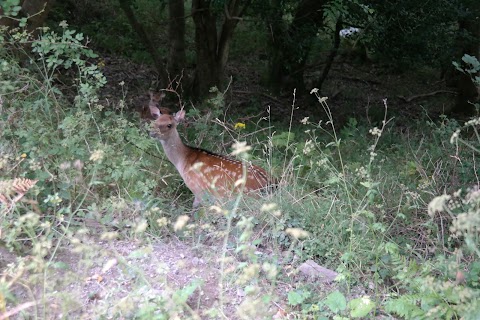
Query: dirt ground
x,y
112,278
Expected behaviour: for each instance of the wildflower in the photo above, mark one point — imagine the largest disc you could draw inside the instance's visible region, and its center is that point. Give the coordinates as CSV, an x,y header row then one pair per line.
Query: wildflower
x,y
181,222
270,270
219,210
65,165
297,233
23,155
109,235
455,136
268,207
322,162
34,165
53,199
122,83
473,122
78,164
97,155
240,147
308,147
239,126
438,204
30,219
63,24
366,300
162,222
305,120
249,272
110,263
45,225
375,132
141,226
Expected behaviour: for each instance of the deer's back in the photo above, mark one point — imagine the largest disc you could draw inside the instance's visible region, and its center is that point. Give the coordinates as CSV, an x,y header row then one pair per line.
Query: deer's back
x,y
218,174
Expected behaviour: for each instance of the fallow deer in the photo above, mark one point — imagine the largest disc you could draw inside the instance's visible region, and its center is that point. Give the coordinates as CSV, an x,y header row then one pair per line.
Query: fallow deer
x,y
205,173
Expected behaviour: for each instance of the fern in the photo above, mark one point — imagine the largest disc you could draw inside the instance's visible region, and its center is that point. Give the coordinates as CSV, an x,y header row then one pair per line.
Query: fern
x,y
405,306
11,191
430,297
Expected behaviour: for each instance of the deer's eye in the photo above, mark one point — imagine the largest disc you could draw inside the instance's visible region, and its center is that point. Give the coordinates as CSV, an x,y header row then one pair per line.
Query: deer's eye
x,y
169,125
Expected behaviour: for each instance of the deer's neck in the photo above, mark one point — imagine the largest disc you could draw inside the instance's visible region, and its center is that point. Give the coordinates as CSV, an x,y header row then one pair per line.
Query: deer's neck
x,y
176,151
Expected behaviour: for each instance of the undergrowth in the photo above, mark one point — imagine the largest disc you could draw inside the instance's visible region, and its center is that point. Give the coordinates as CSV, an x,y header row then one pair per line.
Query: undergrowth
x,y
396,214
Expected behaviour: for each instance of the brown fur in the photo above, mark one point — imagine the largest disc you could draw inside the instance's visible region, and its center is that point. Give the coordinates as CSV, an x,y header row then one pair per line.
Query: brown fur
x,y
204,173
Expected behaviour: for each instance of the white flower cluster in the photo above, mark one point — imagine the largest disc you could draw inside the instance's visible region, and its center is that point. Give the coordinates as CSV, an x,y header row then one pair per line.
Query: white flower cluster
x,y
361,172
97,155
375,132
473,122
348,32
308,147
455,136
304,120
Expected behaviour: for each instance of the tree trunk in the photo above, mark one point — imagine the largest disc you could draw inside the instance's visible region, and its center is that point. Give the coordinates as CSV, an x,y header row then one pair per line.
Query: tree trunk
x,y
233,12
206,73
176,35
293,46
147,42
331,56
277,31
467,90
212,48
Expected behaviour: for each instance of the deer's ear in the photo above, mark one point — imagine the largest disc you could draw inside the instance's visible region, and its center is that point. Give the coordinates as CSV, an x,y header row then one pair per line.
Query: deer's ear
x,y
154,111
156,97
180,115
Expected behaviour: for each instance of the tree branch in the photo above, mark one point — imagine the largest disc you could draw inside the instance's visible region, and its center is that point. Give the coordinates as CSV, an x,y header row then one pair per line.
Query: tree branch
x,y
423,95
145,39
331,56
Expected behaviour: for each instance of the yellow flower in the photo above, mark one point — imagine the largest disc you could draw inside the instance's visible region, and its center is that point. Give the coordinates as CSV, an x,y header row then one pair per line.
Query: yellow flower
x,y
239,126
23,155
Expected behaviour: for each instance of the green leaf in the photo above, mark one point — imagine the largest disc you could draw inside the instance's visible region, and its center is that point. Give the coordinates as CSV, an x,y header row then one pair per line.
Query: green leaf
x,y
379,226
360,307
23,22
391,247
181,296
333,144
336,301
297,297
